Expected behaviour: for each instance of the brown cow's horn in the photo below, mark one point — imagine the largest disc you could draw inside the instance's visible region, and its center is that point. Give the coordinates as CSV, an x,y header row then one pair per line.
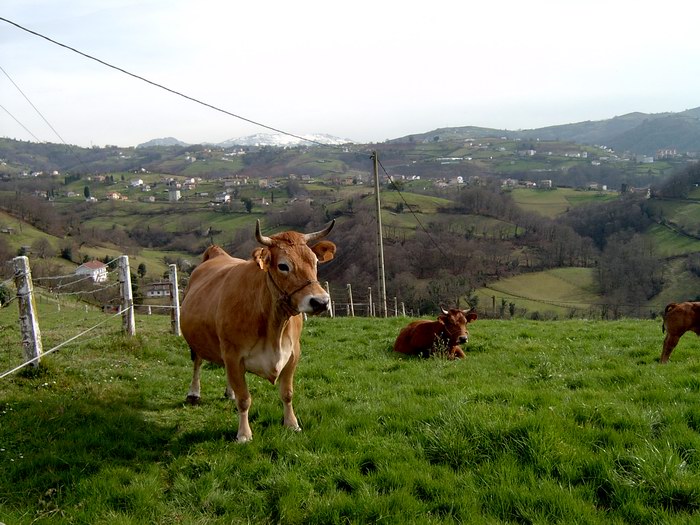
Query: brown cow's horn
x,y
443,310
265,241
308,237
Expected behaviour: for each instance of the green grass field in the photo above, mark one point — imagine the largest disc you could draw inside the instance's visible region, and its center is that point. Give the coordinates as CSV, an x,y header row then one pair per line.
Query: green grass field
x,y
543,422
552,203
553,292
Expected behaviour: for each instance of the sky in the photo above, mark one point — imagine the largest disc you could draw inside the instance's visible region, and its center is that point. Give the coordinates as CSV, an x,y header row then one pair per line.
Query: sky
x,y
367,71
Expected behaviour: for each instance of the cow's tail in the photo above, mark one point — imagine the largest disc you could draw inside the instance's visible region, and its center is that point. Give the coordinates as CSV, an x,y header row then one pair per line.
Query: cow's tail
x,y
212,251
193,356
668,308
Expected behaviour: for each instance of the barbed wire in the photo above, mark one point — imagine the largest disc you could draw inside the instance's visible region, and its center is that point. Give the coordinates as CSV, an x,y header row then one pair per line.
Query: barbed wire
x,y
61,345
79,292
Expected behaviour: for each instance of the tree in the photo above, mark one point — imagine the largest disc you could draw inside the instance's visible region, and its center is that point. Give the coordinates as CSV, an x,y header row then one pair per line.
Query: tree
x,y
42,248
248,203
5,295
142,270
86,192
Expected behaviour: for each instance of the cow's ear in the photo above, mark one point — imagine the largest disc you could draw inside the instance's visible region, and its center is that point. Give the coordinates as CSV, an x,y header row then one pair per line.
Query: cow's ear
x,y
324,250
470,315
262,258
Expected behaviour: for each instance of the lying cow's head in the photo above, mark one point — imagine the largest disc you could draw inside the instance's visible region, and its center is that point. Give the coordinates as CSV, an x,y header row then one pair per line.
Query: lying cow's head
x,y
291,268
455,321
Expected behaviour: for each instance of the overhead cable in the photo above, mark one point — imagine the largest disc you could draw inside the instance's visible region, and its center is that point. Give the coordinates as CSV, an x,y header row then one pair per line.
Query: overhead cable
x,y
161,86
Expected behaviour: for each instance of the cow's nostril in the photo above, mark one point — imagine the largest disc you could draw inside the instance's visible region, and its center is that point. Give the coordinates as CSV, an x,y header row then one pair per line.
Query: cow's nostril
x,y
462,339
318,305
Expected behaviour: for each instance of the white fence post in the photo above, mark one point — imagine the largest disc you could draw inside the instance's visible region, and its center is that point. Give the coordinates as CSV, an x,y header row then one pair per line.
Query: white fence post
x,y
331,305
352,306
369,303
29,324
174,301
128,324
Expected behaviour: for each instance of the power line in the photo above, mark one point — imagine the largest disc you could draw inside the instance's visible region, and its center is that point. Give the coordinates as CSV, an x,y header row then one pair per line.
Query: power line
x,y
18,122
412,212
161,86
32,105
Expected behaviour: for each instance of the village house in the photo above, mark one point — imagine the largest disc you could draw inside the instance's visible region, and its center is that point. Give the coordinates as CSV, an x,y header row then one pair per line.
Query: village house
x,y
97,270
222,198
158,289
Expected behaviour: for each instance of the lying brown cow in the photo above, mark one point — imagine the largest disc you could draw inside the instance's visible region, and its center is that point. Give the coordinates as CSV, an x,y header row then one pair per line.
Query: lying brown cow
x,y
247,315
679,318
424,338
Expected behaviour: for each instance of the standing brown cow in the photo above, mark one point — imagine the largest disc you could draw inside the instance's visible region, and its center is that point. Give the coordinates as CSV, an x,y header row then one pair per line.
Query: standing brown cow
x,y
424,337
247,314
679,318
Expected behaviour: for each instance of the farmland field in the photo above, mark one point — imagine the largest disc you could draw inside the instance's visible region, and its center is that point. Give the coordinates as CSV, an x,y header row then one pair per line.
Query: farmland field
x,y
552,203
543,422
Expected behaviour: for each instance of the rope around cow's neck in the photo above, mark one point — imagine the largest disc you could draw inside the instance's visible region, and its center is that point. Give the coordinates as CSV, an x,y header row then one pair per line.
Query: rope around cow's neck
x,y
285,298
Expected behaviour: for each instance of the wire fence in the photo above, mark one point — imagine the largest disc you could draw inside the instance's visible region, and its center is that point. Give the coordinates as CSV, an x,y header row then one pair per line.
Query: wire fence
x,y
102,295
106,296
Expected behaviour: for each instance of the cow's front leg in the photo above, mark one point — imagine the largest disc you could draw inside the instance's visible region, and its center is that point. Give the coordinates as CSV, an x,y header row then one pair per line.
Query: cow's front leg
x,y
456,352
235,374
670,343
286,386
193,396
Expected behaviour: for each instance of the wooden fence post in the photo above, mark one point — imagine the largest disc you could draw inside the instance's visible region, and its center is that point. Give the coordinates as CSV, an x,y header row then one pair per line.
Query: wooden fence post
x,y
331,306
403,309
29,324
352,306
396,307
128,324
174,301
369,303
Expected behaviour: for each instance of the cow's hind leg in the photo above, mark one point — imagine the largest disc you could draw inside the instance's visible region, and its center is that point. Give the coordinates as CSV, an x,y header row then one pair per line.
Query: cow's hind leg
x,y
235,375
670,343
193,396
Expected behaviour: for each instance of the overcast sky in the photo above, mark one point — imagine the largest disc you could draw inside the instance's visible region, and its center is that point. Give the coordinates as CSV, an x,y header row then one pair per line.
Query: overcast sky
x,y
363,70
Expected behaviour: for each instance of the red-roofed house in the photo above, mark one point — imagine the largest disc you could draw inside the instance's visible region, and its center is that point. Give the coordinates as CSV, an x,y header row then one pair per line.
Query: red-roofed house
x,y
95,269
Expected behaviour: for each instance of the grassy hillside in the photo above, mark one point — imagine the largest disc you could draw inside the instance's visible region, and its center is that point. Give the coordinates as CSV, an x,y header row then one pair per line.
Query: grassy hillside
x,y
551,293
543,422
552,203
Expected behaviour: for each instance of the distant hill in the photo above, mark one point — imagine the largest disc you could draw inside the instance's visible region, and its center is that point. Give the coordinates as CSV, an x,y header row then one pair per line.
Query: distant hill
x,y
639,133
164,142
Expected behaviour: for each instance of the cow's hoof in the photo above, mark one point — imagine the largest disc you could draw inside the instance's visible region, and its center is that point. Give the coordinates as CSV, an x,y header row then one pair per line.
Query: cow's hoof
x,y
244,439
192,400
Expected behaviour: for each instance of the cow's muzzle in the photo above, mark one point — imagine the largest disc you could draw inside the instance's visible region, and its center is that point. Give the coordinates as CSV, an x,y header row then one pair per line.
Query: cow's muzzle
x,y
320,304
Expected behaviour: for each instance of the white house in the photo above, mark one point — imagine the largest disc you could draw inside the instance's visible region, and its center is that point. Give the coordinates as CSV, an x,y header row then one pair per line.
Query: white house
x,y
158,289
97,270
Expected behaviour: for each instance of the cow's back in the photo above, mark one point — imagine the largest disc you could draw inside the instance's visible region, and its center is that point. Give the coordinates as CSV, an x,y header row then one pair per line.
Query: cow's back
x,y
416,337
203,300
682,317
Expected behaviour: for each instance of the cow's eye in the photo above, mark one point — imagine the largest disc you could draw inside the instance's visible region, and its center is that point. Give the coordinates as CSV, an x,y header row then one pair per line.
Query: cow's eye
x,y
282,267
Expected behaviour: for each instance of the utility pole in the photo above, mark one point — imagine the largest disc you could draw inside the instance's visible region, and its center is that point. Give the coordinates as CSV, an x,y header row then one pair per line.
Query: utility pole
x,y
380,241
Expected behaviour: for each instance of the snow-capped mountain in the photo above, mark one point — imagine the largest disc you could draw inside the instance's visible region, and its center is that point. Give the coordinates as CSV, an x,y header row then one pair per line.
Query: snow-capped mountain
x,y
281,140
